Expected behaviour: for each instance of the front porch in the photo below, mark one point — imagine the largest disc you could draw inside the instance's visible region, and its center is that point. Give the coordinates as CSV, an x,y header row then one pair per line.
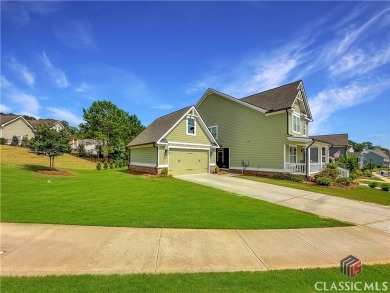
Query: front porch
x,y
305,157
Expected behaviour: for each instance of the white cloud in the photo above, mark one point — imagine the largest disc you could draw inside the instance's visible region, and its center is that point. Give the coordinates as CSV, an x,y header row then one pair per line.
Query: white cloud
x,y
162,106
5,109
82,88
56,75
23,72
25,104
76,34
5,83
63,114
330,101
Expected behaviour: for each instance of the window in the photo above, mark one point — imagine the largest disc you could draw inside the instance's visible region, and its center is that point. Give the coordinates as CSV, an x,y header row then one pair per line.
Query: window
x,y
313,155
304,128
214,131
191,126
293,154
323,155
296,123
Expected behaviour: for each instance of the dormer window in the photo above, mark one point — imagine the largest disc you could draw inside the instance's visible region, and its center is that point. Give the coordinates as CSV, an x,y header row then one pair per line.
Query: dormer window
x,y
191,126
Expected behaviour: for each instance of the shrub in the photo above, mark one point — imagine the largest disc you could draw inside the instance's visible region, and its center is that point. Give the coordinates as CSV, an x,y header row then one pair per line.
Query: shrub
x,y
328,172
359,172
367,173
369,166
105,165
81,151
373,184
263,174
116,164
352,175
98,166
385,186
350,162
25,141
216,170
325,181
344,181
164,172
288,176
3,140
111,165
15,141
331,165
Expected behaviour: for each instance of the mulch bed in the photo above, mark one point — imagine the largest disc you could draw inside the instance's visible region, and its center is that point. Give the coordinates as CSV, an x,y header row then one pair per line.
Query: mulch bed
x,y
55,172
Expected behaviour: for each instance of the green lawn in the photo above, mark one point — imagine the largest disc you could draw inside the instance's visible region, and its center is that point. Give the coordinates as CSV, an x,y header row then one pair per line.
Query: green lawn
x,y
270,281
117,198
373,178
361,193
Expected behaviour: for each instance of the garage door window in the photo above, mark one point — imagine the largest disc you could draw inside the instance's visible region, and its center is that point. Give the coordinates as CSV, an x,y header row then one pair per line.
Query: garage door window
x,y
191,126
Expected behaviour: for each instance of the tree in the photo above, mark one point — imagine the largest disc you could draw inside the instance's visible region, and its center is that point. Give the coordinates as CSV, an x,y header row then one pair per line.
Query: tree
x,y
110,125
48,142
357,147
81,151
72,131
350,162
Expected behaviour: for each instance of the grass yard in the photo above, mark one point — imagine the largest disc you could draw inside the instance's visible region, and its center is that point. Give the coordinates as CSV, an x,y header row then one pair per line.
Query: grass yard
x,y
270,281
359,193
373,178
117,198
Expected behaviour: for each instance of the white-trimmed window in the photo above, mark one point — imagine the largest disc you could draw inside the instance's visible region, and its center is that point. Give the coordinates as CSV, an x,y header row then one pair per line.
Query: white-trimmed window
x,y
296,123
304,128
323,155
214,131
191,126
293,154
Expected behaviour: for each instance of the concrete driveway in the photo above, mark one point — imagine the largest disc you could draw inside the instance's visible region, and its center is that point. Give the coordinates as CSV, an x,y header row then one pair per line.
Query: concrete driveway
x,y
356,212
39,249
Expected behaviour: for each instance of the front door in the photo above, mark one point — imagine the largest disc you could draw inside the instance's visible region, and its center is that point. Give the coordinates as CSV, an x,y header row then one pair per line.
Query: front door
x,y
223,155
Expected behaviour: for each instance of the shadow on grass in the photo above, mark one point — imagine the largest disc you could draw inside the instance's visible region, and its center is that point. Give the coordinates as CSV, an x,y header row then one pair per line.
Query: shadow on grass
x,y
34,168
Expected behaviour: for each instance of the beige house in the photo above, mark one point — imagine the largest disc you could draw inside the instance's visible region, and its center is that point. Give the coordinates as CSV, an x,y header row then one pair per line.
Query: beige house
x,y
179,141
12,125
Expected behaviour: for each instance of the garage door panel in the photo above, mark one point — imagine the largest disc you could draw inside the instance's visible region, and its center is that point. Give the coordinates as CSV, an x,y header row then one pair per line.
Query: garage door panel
x,y
183,161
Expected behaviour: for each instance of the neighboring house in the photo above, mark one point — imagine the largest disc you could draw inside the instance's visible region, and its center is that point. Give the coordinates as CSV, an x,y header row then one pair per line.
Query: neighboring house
x,y
268,131
12,125
339,143
90,145
376,156
179,141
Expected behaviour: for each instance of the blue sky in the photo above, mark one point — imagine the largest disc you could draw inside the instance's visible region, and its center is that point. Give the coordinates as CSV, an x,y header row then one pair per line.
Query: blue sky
x,y
151,58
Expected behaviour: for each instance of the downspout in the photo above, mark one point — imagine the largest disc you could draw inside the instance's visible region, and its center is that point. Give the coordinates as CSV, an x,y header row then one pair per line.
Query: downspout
x,y
156,167
308,159
287,123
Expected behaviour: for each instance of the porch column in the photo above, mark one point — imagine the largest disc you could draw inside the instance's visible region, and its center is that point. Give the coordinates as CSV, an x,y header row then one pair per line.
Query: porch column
x,y
327,155
320,156
284,157
308,161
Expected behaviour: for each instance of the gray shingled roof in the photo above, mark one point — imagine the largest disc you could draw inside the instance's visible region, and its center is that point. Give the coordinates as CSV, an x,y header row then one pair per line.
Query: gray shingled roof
x,y
35,123
158,128
378,152
276,99
7,118
335,139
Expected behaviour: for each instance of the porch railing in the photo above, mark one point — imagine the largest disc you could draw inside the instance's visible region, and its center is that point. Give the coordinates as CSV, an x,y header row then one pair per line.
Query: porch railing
x,y
315,167
296,168
343,172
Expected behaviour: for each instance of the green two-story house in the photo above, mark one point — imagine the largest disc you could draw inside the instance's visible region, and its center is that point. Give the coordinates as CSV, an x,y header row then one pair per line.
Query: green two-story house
x,y
267,131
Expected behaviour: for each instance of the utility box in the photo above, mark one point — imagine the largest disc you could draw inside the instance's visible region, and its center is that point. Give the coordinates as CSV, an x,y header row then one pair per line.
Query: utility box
x,y
245,163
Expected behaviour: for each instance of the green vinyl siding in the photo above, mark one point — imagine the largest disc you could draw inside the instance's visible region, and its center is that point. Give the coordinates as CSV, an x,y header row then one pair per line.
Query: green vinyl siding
x,y
179,134
163,158
146,155
248,133
212,156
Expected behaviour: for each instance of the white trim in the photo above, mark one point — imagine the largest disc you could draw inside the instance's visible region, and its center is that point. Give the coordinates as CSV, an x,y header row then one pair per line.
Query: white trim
x,y
275,113
299,139
308,112
216,126
19,117
188,148
142,164
259,169
192,117
289,154
174,125
211,91
188,143
284,156
163,166
211,137
212,164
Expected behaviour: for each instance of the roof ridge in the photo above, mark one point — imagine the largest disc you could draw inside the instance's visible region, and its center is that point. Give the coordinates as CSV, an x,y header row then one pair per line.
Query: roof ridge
x,y
173,112
300,80
330,134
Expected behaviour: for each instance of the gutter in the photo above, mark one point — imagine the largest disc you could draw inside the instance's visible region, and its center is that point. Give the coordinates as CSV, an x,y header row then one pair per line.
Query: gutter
x,y
287,122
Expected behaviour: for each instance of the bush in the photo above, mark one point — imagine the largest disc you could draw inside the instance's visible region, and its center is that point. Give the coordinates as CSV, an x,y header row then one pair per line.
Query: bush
x,y
216,170
105,165
15,141
331,165
164,172
116,164
25,141
325,181
81,151
98,166
385,187
359,172
373,184
3,140
328,172
111,165
344,181
350,162
367,173
369,166
352,175
288,176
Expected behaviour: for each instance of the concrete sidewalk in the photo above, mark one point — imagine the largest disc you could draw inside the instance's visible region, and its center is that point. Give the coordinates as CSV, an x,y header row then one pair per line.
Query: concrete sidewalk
x,y
39,249
352,211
